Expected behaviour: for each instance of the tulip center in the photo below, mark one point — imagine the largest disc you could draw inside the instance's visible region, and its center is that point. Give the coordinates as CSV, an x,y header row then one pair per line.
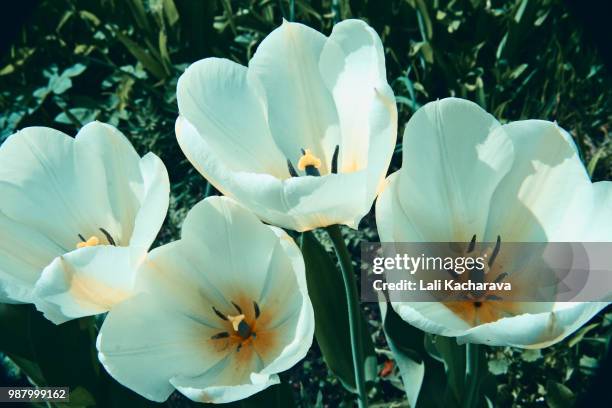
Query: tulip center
x,y
310,164
94,240
308,160
241,330
479,307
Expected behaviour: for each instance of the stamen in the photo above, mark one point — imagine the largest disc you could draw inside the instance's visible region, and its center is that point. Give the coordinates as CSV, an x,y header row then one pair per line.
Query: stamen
x,y
501,277
221,335
82,238
477,275
237,307
452,272
309,162
108,236
291,169
495,251
92,241
472,244
334,162
218,313
257,311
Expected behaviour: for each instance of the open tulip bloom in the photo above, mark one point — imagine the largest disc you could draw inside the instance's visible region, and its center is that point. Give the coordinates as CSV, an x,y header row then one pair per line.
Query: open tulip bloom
x,y
77,217
303,137
222,311
465,176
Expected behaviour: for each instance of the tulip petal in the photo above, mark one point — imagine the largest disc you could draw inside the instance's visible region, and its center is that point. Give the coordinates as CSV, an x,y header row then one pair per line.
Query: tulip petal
x,y
598,226
353,67
24,253
392,222
297,339
84,183
431,317
299,203
534,330
301,111
142,344
544,195
34,160
222,394
85,282
109,177
216,96
154,200
226,262
451,167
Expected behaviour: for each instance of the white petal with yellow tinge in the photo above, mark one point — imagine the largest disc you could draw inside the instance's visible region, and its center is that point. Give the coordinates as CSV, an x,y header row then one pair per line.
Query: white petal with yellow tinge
x,y
222,311
465,175
303,94
65,201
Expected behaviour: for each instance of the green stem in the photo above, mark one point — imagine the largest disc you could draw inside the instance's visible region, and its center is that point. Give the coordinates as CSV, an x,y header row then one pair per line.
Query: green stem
x,y
472,368
350,289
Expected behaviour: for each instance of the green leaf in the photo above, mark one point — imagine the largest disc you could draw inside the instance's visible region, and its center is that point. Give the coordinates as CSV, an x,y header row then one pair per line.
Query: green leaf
x,y
326,290
120,396
29,368
531,355
65,353
81,115
558,395
138,12
401,340
499,366
594,160
75,70
427,30
148,61
171,12
453,356
15,330
276,396
79,397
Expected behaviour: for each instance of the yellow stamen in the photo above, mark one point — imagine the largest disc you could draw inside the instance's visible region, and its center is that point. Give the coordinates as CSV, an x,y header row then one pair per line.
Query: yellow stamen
x,y
92,241
308,159
235,320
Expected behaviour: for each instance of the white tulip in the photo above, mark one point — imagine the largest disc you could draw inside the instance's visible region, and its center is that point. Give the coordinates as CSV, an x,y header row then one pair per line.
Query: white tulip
x,y
307,105
222,311
465,175
77,217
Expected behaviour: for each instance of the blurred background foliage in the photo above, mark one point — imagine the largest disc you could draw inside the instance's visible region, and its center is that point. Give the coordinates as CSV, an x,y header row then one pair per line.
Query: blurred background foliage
x,y
118,61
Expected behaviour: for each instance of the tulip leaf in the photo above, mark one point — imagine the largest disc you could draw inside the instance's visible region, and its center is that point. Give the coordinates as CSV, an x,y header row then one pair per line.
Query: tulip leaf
x,y
427,362
120,396
401,341
15,330
326,290
453,357
65,353
29,368
276,396
559,395
146,59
